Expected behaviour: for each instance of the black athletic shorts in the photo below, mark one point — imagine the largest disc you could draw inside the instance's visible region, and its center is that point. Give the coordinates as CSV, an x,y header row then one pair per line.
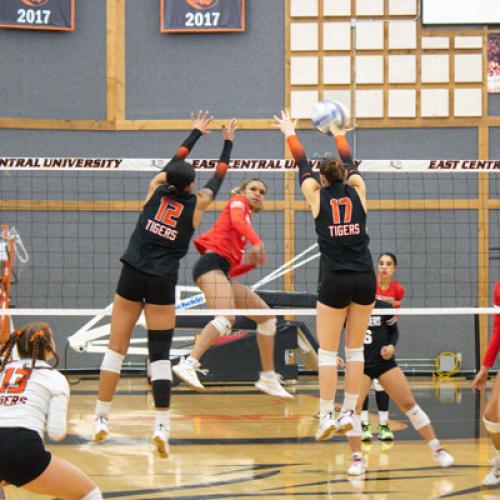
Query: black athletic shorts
x,y
141,287
376,370
210,262
339,288
22,455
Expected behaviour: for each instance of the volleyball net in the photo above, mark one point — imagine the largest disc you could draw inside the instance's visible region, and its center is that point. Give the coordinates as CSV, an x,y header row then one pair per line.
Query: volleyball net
x,y
74,217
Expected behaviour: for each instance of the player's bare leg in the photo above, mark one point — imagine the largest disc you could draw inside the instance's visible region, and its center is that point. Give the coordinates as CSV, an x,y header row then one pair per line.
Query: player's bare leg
x,y
358,317
123,319
269,380
329,324
396,385
219,295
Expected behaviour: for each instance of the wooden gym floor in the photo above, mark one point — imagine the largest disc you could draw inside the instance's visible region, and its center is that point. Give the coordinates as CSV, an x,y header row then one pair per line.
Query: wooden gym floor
x,y
232,442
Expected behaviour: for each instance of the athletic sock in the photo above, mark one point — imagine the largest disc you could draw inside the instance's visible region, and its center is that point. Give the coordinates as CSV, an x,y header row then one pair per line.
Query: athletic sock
x,y
434,444
102,408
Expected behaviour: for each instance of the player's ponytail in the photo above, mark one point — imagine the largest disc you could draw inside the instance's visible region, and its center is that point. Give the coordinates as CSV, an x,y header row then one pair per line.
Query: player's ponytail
x,y
7,348
33,341
333,171
171,190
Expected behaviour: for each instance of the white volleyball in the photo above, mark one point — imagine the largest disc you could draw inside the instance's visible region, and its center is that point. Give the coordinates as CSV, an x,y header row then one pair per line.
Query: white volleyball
x,y
329,114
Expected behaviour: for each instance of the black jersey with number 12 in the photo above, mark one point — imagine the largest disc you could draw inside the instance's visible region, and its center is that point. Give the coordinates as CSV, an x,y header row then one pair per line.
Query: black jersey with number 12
x,y
162,234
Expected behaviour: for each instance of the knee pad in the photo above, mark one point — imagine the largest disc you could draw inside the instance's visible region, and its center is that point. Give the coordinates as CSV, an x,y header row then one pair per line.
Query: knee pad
x,y
377,386
161,382
222,325
159,343
355,354
95,494
356,427
491,427
267,328
327,358
418,417
112,361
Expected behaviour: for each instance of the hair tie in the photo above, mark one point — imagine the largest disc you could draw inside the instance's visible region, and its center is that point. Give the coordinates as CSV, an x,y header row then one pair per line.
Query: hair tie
x,y
38,333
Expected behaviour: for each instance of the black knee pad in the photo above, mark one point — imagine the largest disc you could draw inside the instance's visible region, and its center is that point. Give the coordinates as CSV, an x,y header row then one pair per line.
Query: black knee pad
x,y
366,402
382,400
159,343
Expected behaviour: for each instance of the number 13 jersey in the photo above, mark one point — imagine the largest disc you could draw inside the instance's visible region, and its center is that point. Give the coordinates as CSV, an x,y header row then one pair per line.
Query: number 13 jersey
x,y
33,398
341,229
162,234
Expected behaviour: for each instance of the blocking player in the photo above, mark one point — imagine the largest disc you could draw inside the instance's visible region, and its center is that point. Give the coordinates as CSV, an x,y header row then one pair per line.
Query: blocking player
x,y
147,282
346,289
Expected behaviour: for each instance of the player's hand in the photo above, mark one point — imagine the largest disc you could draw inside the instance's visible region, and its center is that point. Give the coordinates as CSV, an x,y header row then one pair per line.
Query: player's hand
x,y
229,133
479,382
201,121
387,352
340,363
285,123
257,255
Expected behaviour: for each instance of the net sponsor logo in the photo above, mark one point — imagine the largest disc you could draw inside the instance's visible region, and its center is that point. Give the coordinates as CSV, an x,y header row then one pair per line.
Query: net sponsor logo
x,y
464,165
35,3
203,4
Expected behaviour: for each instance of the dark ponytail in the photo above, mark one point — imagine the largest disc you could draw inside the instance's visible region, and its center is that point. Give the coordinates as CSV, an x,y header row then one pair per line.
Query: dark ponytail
x,y
171,190
333,171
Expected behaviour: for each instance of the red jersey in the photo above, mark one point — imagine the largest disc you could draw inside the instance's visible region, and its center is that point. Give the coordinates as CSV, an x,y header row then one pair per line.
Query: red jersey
x,y
394,293
494,343
230,233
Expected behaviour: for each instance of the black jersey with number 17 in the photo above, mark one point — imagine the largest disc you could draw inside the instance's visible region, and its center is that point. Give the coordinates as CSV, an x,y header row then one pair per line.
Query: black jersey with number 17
x,y
341,229
162,234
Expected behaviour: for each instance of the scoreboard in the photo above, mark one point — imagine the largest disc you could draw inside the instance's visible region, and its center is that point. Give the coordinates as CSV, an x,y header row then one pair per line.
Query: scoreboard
x,y
184,16
38,14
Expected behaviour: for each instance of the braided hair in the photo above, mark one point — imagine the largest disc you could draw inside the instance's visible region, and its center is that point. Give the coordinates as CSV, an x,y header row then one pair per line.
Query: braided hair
x,y
33,340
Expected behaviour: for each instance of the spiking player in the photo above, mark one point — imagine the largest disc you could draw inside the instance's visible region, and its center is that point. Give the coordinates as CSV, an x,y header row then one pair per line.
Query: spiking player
x,y
379,347
150,265
388,290
346,290
34,398
223,259
491,416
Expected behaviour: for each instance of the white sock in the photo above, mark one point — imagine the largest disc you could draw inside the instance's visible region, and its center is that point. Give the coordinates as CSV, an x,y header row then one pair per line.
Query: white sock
x,y
192,360
350,401
357,455
163,418
102,408
434,444
497,459
383,417
364,417
270,375
325,406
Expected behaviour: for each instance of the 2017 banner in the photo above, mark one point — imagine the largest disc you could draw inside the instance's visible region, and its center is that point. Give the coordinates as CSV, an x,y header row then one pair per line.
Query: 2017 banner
x,y
202,15
38,14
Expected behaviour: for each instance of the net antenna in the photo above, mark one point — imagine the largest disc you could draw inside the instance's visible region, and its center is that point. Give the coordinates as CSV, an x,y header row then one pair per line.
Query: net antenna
x,y
86,339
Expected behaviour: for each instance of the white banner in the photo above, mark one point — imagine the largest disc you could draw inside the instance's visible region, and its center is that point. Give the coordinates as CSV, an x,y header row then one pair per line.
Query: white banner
x,y
137,165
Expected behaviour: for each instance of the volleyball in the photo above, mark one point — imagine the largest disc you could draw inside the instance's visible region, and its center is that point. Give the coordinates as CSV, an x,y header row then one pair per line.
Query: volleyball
x,y
329,114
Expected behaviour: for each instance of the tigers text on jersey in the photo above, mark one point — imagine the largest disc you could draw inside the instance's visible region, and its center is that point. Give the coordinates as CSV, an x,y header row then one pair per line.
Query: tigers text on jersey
x,y
341,229
382,331
162,234
34,399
